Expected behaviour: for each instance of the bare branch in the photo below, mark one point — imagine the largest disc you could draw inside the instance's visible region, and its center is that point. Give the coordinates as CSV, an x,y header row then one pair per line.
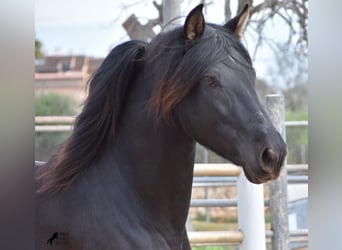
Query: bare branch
x,y
227,10
159,7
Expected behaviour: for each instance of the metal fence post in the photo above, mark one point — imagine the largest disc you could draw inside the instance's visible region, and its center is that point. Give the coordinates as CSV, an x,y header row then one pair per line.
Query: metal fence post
x,y
278,188
251,215
171,10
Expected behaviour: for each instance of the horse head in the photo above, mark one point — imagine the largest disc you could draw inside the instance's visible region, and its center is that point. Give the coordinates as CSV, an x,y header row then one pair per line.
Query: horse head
x,y
221,109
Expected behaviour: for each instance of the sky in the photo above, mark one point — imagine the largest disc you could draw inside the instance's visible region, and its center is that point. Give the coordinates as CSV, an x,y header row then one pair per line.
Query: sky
x,y
78,27
93,28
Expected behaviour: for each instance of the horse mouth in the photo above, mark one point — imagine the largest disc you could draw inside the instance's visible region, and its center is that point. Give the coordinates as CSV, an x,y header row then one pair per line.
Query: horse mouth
x,y
267,168
258,178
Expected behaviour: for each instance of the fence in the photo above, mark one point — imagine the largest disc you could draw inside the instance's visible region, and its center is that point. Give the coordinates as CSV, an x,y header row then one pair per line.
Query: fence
x,y
250,201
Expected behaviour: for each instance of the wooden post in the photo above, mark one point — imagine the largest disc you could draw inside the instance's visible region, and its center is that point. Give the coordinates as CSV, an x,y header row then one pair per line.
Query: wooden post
x,y
251,215
171,10
278,188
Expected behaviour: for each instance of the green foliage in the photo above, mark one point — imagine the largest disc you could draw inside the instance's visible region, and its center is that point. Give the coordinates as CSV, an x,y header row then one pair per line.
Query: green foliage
x,y
200,216
297,137
52,104
296,115
297,142
267,217
38,49
213,226
55,104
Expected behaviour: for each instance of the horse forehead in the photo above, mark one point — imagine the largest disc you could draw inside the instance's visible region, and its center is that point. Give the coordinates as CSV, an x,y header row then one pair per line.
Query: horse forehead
x,y
228,69
210,31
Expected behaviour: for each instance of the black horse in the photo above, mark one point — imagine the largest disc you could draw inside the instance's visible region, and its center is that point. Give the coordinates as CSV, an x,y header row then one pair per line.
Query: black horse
x,y
52,238
123,179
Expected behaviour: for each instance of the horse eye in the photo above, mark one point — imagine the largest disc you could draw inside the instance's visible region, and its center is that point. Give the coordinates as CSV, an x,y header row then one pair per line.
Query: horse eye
x,y
212,81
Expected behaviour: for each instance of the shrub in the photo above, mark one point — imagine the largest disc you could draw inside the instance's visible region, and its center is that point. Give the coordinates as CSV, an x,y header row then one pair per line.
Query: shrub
x,y
52,104
55,104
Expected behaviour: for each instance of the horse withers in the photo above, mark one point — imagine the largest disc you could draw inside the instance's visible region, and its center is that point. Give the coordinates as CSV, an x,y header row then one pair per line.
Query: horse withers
x,y
123,179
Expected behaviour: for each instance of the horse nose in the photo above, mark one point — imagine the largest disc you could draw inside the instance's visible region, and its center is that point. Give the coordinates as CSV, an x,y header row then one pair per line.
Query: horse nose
x,y
269,161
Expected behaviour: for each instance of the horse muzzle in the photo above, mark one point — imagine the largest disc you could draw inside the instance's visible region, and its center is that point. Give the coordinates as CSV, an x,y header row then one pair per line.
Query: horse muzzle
x,y
269,166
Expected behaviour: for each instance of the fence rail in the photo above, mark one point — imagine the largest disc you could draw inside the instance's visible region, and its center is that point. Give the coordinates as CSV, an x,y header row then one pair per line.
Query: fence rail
x,y
216,237
293,179
53,128
54,119
296,123
232,237
213,169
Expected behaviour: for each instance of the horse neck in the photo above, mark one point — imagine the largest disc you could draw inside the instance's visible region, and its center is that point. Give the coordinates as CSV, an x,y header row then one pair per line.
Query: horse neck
x,y
156,157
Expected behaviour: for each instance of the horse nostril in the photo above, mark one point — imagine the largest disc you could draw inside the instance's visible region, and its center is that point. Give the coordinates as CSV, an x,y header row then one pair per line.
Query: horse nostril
x,y
269,158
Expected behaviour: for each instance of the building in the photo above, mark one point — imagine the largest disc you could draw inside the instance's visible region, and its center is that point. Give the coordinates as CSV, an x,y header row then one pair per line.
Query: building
x,y
66,75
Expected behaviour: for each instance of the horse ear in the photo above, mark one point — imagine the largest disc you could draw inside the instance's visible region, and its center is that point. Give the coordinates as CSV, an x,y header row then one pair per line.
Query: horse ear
x,y
237,24
194,23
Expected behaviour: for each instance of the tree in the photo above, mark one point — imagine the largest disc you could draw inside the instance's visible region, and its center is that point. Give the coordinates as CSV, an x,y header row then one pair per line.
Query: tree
x,y
38,49
292,13
137,31
290,51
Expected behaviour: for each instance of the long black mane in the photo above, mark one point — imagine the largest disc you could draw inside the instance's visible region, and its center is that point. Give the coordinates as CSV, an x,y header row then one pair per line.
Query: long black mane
x,y
97,123
178,66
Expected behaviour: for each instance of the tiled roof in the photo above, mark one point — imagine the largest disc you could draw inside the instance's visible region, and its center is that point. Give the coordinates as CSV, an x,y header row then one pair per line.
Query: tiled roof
x,y
53,64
